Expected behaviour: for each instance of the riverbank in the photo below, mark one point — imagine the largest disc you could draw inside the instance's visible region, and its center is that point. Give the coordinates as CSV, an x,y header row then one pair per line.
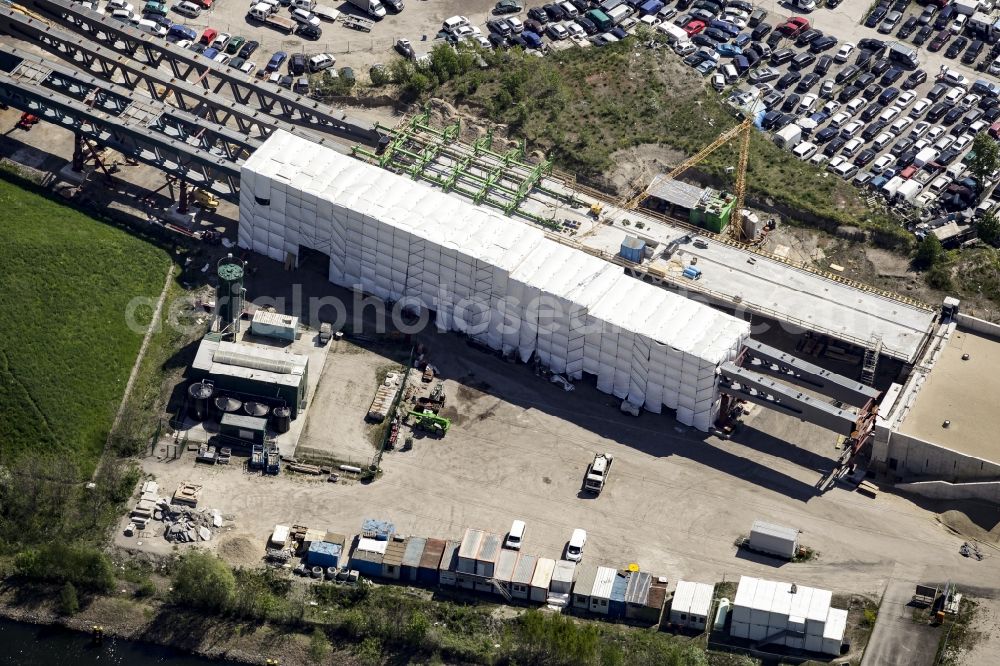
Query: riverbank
x,y
153,622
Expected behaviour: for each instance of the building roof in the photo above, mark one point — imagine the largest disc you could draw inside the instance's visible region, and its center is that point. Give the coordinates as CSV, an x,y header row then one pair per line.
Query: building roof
x,y
482,234
433,550
586,575
542,576
414,551
770,529
249,361
335,537
676,192
448,556
394,551
836,625
564,571
471,541
489,548
275,319
638,587
524,569
325,547
620,586
373,526
798,602
505,565
245,421
371,545
693,598
603,582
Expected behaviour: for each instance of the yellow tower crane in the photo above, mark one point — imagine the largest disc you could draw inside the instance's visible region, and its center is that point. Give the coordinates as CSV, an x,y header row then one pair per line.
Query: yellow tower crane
x,y
742,131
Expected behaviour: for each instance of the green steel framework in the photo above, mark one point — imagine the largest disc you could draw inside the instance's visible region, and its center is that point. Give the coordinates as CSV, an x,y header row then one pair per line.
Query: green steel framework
x,y
502,180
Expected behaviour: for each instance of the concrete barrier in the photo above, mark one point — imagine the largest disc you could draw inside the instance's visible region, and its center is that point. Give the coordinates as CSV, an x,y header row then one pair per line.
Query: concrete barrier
x,y
942,490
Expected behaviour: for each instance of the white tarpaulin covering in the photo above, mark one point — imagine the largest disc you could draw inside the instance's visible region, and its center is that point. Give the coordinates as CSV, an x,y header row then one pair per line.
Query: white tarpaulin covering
x,y
484,274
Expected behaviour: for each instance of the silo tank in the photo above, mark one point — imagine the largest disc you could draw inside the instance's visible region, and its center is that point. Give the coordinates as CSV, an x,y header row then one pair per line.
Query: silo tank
x,y
199,393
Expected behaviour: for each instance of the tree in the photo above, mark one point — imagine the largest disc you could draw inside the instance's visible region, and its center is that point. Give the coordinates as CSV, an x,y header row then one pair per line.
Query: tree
x,y
204,581
988,229
984,158
929,253
319,645
69,604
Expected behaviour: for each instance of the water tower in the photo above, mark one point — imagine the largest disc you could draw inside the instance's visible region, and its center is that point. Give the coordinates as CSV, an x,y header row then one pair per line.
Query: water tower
x,y
229,295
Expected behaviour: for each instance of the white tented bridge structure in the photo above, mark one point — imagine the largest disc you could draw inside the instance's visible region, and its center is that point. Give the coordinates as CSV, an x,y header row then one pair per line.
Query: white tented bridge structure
x,y
491,277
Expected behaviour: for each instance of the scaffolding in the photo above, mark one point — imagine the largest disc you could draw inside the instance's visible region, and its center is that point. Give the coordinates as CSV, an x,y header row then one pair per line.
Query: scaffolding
x,y
478,171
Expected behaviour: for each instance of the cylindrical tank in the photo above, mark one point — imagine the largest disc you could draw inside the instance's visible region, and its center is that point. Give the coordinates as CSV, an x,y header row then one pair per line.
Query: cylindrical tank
x,y
258,409
229,294
281,419
226,405
199,393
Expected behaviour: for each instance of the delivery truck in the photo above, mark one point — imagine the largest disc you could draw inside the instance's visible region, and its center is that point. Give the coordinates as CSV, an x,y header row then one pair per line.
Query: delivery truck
x,y
372,8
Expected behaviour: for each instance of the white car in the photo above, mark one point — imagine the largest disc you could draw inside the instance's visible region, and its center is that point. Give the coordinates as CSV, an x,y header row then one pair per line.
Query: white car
x,y
835,162
845,51
953,77
958,25
919,129
831,107
482,41
889,114
962,142
905,98
120,4
852,147
855,105
734,18
576,31
944,142
954,95
839,120
651,21
807,102
221,58
221,41
574,548
919,107
516,25
881,164
248,67
804,150
934,132
851,128
804,5
557,31
124,15
900,124
718,82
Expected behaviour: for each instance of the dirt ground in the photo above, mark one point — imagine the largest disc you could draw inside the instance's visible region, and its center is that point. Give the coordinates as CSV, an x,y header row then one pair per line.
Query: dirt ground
x,y
984,633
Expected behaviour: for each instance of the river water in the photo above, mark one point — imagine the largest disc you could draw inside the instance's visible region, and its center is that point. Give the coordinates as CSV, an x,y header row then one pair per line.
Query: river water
x,y
31,645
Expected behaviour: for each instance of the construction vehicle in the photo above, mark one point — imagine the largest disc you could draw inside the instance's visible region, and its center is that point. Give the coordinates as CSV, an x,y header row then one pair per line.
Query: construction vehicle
x,y
430,422
325,333
742,131
257,456
272,461
597,473
206,200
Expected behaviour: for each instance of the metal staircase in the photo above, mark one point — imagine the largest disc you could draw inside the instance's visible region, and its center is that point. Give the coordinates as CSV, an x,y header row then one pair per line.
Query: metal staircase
x,y
872,353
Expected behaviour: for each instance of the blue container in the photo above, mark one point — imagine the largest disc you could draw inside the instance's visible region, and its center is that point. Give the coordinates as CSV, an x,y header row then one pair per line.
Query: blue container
x,y
616,605
323,554
377,529
633,249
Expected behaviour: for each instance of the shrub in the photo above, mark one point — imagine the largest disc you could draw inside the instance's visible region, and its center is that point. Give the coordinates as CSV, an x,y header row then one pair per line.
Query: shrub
x,y
319,645
69,604
204,581
83,566
929,253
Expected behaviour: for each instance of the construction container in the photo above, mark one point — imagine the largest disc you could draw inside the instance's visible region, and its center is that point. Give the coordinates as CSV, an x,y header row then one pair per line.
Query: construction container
x,y
367,556
520,581
561,584
411,558
489,551
392,561
504,571
586,576
600,595
449,561
691,604
468,550
274,325
372,528
430,561
633,249
247,430
323,554
774,539
541,579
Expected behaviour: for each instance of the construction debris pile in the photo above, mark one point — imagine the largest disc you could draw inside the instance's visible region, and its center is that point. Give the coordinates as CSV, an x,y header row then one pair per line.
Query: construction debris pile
x,y
183,522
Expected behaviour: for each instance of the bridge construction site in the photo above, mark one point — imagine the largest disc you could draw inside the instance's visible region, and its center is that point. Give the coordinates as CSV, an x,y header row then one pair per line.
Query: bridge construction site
x,y
709,340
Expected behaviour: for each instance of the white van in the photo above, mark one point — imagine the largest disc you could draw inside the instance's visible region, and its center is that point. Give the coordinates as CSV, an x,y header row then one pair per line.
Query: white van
x,y
729,71
845,169
804,150
321,61
515,536
151,28
453,23
574,549
620,13
188,9
307,5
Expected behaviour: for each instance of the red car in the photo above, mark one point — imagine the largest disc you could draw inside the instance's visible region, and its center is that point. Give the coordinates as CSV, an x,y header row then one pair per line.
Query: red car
x,y
694,27
794,26
908,172
208,36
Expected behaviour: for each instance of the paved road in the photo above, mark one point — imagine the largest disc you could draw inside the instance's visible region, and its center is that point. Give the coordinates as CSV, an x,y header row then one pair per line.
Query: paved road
x,y
897,640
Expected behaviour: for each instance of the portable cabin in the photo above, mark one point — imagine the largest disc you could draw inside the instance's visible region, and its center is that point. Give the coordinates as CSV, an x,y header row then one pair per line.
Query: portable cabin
x,y
587,574
372,528
541,579
486,560
392,561
600,595
468,550
367,556
324,554
504,570
774,539
561,585
448,564
520,582
691,604
411,558
430,560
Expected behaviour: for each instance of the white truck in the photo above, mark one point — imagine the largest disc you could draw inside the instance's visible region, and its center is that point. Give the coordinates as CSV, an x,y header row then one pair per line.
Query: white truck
x,y
788,136
263,13
373,8
597,473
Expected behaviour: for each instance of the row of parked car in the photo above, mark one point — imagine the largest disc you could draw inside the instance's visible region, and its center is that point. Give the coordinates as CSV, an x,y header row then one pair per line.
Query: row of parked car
x,y
942,26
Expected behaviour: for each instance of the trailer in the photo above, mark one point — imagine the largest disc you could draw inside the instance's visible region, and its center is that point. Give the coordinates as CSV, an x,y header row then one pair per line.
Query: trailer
x,y
358,23
262,13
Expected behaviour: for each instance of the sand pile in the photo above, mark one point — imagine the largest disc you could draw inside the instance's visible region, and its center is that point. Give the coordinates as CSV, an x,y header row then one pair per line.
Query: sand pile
x,y
239,550
959,522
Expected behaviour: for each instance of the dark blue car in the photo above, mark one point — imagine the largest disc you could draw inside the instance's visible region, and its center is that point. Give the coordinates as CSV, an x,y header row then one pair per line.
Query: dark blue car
x,y
532,39
274,64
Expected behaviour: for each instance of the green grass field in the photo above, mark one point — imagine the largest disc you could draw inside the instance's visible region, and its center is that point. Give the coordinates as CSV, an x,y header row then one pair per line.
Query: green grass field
x,y
65,349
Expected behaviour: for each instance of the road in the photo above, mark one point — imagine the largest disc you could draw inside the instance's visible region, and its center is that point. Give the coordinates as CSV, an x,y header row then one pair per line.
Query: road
x,y
897,640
